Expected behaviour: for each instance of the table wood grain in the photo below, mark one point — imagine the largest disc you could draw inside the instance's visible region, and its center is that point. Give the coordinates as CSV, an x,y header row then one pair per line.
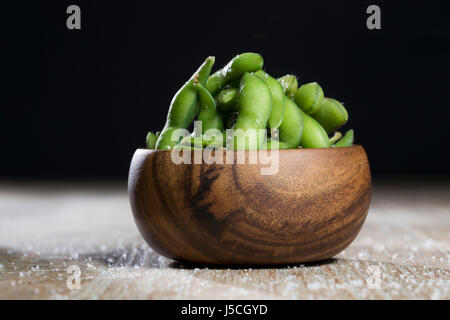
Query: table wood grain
x,y
402,251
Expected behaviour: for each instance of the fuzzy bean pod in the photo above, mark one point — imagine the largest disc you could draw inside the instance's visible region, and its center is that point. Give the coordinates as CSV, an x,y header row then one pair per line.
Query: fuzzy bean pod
x,y
227,100
151,140
347,140
292,127
331,115
254,107
245,62
314,136
278,99
183,107
309,97
289,83
208,114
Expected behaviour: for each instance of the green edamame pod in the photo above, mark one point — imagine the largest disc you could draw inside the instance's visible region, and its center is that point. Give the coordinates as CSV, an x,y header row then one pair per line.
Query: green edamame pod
x,y
289,83
309,97
208,114
331,115
276,145
245,62
292,127
347,140
227,100
314,136
186,147
254,107
151,140
200,142
183,107
337,135
276,116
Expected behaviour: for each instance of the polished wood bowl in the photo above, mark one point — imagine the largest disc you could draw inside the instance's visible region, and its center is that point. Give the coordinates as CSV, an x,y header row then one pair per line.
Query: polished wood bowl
x,y
229,214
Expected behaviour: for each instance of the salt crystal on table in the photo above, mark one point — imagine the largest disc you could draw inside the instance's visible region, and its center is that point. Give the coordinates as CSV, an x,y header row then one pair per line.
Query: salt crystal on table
x,y
428,243
362,255
314,285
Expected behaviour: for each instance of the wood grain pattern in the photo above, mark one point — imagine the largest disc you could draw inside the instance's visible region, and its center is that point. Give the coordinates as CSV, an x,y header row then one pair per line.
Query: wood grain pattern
x,y
310,210
44,228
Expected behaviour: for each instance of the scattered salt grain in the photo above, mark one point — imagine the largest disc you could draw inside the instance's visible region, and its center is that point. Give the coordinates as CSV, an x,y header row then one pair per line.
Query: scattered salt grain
x,y
315,285
428,243
435,295
362,255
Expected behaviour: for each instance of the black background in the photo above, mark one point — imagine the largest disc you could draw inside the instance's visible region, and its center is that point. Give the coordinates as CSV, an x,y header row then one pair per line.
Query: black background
x,y
77,103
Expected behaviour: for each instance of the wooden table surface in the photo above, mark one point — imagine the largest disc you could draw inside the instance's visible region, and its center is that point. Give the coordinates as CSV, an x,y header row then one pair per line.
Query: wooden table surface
x,y
402,251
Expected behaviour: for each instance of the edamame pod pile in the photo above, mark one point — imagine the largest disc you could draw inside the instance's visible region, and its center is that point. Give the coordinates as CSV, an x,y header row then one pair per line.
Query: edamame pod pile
x,y
282,112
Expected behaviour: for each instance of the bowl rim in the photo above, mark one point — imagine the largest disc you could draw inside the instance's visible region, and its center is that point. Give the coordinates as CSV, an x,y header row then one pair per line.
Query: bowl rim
x,y
354,146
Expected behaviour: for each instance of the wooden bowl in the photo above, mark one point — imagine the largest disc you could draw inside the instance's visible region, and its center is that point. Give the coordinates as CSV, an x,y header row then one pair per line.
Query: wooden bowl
x,y
310,210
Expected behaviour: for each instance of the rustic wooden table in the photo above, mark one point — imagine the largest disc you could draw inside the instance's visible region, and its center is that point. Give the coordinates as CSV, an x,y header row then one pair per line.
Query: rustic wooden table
x,y
48,232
